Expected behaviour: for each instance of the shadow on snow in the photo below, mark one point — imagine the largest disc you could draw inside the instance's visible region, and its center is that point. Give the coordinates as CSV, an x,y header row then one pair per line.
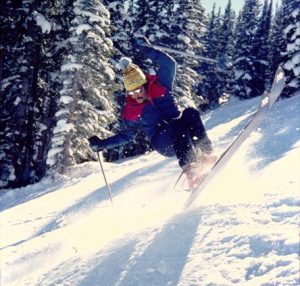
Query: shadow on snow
x,y
156,256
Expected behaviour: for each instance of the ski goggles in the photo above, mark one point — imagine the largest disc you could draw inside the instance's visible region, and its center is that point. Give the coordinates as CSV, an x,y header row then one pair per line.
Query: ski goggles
x,y
135,92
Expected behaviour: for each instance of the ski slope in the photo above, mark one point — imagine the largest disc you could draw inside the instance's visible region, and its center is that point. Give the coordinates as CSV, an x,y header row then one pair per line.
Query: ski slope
x,y
243,229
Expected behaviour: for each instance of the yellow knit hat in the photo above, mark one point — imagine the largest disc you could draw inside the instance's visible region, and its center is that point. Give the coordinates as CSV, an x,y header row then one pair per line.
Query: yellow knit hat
x,y
133,77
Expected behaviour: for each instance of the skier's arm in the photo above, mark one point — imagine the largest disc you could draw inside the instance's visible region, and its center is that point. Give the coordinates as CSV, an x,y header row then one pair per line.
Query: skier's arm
x,y
125,135
167,66
166,73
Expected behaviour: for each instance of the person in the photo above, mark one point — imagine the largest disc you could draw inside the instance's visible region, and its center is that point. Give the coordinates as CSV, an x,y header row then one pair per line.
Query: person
x,y
150,105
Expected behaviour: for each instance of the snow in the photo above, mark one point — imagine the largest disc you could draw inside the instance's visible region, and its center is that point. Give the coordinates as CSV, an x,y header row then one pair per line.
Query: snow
x,y
294,83
109,72
82,28
41,21
12,175
8,81
17,100
92,18
288,28
62,112
296,12
42,127
296,34
100,8
70,67
243,229
52,153
63,126
185,39
247,76
238,74
65,99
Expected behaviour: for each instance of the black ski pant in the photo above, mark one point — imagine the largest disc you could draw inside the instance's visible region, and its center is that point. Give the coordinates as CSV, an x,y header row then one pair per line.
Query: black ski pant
x,y
182,137
188,134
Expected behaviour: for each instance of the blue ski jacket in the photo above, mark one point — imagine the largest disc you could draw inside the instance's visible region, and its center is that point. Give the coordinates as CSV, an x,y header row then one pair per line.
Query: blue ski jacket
x,y
155,112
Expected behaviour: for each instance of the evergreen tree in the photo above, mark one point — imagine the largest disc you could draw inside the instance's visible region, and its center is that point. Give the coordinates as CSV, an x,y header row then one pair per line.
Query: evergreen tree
x,y
26,89
227,32
212,35
209,87
245,85
121,25
149,18
261,47
278,43
48,59
292,52
53,48
226,44
188,30
218,45
85,106
154,20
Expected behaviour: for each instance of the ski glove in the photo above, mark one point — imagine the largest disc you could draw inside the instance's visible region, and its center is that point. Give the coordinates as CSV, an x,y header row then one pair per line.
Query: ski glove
x,y
96,143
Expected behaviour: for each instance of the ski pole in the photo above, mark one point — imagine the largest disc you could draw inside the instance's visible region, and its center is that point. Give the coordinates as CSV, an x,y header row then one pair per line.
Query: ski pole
x,y
181,53
107,185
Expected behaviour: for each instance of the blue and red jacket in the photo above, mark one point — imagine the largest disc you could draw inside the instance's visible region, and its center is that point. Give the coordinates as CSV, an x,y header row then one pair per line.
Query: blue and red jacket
x,y
158,109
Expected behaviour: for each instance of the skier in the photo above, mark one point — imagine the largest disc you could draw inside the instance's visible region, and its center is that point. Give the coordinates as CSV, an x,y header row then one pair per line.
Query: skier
x,y
150,105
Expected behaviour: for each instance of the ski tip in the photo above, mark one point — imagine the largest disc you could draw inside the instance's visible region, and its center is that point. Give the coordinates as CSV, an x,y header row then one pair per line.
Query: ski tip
x,y
279,76
277,85
265,99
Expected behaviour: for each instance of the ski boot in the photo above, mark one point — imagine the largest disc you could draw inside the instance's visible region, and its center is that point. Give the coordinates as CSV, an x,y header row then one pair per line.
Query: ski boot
x,y
193,175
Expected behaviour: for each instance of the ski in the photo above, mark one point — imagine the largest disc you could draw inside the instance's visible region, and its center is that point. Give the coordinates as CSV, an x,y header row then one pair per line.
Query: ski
x,y
266,102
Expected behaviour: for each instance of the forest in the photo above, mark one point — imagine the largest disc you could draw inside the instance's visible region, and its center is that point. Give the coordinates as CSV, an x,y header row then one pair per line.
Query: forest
x,y
61,83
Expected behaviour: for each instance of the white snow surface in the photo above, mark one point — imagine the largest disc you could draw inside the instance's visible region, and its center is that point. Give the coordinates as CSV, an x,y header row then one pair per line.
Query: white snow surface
x,y
243,229
41,21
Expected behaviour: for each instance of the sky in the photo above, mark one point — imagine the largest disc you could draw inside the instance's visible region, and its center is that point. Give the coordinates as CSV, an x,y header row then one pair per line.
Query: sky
x,y
236,4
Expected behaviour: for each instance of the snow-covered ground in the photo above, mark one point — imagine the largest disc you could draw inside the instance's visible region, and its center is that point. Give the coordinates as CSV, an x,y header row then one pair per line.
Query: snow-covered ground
x,y
243,229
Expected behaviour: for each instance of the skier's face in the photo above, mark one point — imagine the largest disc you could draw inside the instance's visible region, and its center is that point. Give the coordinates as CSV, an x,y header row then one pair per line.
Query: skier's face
x,y
139,94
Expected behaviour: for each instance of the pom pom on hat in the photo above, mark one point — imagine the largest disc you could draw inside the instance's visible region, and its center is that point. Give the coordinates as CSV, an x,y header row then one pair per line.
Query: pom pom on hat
x,y
133,76
124,63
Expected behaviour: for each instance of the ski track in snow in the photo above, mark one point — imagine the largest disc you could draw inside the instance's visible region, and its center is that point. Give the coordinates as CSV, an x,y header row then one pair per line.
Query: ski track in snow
x,y
243,229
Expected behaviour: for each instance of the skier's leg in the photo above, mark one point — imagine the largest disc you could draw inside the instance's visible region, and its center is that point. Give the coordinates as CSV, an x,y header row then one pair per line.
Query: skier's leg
x,y
192,120
162,142
182,145
185,151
